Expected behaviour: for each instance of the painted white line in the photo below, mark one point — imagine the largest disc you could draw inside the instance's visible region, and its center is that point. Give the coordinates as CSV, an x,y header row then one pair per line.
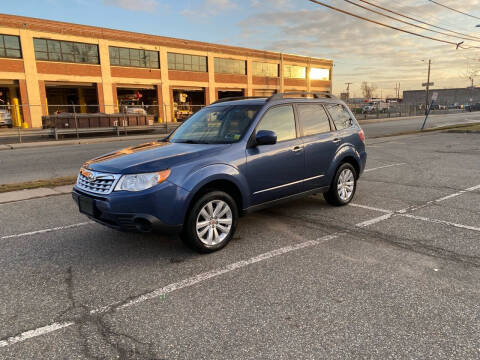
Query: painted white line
x,y
172,287
34,333
473,188
375,220
371,208
384,166
31,233
443,222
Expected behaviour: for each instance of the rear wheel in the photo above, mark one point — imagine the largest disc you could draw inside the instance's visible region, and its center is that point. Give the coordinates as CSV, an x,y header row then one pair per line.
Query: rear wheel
x,y
343,186
211,222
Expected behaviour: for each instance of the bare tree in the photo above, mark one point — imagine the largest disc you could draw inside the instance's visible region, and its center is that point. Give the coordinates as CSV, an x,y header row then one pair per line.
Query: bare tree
x,y
471,73
368,90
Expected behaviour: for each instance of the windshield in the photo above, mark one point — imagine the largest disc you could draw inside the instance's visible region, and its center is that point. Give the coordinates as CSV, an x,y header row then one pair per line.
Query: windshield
x,y
216,125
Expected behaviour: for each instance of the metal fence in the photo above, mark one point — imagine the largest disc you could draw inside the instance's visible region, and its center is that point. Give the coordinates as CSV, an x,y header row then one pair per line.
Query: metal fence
x,y
393,110
65,120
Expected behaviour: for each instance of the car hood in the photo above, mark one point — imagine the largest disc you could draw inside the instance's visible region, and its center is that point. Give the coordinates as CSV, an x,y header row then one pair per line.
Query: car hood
x,y
150,157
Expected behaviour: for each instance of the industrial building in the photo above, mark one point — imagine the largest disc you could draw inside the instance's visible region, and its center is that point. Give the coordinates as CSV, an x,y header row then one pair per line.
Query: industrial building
x,y
49,67
447,97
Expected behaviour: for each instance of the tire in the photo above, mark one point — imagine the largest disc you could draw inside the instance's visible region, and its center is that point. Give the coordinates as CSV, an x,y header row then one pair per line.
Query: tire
x,y
345,178
218,231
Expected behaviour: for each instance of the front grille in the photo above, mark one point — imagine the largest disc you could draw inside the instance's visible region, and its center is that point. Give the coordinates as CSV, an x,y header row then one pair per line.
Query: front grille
x,y
95,182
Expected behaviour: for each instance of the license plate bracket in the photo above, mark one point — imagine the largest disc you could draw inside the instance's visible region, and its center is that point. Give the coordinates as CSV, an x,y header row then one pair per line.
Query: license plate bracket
x,y
86,205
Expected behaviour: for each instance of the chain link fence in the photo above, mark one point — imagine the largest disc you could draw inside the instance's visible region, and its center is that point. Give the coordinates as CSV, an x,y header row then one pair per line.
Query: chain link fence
x,y
73,120
365,111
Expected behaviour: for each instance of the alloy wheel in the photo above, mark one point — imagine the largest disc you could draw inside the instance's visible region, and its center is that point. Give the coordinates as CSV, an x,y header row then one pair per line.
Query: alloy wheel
x,y
214,222
345,184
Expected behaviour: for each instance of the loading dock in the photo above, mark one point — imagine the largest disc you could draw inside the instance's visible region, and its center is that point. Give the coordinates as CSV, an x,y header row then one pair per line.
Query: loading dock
x,y
187,101
138,99
10,109
66,97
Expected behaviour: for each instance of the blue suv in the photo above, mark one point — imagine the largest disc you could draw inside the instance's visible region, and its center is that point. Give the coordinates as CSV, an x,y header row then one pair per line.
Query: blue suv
x,y
228,159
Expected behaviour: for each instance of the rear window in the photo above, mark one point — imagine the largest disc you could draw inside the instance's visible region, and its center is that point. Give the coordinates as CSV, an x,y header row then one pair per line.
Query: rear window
x,y
313,119
340,116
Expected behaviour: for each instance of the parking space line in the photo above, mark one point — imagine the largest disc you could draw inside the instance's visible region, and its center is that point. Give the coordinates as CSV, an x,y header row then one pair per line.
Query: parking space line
x,y
443,222
34,333
384,166
375,220
46,230
473,188
370,208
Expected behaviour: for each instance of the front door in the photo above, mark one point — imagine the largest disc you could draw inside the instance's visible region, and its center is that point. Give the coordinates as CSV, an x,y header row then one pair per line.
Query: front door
x,y
276,171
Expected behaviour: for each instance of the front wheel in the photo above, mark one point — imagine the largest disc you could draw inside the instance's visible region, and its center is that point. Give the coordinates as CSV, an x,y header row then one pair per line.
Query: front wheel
x,y
211,222
343,186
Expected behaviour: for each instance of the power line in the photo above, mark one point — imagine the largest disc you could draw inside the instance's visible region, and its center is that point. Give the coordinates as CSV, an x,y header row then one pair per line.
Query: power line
x,y
420,21
458,11
392,27
408,23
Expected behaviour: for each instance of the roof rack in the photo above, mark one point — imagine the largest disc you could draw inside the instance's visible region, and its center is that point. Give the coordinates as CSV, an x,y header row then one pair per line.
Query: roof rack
x,y
316,95
238,98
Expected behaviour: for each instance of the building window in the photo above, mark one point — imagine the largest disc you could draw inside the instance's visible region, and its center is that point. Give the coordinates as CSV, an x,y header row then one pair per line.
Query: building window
x,y
294,72
230,66
66,51
265,69
10,46
134,57
319,74
187,62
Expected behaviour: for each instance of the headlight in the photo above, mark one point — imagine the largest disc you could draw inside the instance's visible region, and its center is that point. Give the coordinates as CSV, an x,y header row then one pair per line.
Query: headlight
x,y
139,182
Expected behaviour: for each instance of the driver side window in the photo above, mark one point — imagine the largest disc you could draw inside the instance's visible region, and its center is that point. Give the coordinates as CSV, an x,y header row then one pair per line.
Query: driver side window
x,y
281,120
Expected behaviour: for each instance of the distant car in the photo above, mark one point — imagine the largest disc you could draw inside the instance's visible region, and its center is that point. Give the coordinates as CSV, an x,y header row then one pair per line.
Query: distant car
x,y
230,158
472,107
5,118
136,111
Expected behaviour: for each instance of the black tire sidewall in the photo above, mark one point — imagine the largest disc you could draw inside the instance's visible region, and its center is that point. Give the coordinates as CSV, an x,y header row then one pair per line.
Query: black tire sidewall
x,y
190,232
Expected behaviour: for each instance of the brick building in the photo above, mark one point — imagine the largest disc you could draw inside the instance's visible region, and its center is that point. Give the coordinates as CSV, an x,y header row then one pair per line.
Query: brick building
x,y
51,67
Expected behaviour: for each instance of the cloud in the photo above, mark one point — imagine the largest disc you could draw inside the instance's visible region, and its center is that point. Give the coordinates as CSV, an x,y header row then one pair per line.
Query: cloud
x,y
135,5
363,51
210,8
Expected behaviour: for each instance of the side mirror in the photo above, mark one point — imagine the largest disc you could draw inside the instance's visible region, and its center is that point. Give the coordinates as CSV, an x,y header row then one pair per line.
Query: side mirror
x,y
266,137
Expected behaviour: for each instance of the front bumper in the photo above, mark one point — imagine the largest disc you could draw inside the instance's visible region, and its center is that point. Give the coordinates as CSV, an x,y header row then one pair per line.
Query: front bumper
x,y
161,208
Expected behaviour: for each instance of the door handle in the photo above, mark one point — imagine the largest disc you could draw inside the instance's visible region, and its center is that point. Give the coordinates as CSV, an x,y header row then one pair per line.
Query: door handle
x,y
336,140
297,148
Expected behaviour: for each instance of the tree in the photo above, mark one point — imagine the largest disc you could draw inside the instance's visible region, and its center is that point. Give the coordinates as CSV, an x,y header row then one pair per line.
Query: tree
x,y
368,90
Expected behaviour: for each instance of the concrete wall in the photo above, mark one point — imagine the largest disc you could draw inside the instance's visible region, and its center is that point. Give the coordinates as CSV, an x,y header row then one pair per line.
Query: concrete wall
x,y
445,96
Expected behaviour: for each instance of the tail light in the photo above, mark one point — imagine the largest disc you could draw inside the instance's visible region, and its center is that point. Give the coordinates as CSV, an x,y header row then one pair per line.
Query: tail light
x,y
361,135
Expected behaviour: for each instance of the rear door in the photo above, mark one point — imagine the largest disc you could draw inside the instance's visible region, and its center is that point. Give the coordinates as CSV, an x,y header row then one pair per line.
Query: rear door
x,y
276,171
319,141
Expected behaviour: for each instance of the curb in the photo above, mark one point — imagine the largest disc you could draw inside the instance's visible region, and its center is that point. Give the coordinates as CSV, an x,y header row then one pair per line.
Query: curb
x,y
19,195
15,146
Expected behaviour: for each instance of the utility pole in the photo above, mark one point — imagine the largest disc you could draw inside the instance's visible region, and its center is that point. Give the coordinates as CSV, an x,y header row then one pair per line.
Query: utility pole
x,y
348,90
428,85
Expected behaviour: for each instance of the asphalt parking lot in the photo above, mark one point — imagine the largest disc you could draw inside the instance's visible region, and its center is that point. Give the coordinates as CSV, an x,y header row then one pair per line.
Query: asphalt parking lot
x,y
395,275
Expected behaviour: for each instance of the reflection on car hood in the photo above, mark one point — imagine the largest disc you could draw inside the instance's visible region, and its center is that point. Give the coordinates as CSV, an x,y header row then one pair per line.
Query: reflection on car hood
x,y
150,157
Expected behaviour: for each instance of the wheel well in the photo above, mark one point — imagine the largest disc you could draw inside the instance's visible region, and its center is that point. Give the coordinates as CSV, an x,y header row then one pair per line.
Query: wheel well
x,y
223,185
351,160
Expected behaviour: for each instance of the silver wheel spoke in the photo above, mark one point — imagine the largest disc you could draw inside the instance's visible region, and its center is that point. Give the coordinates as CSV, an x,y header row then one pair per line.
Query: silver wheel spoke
x,y
222,228
204,214
210,236
202,224
226,221
202,233
210,208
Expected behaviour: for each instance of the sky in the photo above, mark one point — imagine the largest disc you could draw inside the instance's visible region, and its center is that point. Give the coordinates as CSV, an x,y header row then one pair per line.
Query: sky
x,y
361,51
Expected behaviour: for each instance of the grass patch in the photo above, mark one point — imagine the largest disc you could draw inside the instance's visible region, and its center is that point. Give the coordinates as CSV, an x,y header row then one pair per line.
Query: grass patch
x,y
66,180
469,128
